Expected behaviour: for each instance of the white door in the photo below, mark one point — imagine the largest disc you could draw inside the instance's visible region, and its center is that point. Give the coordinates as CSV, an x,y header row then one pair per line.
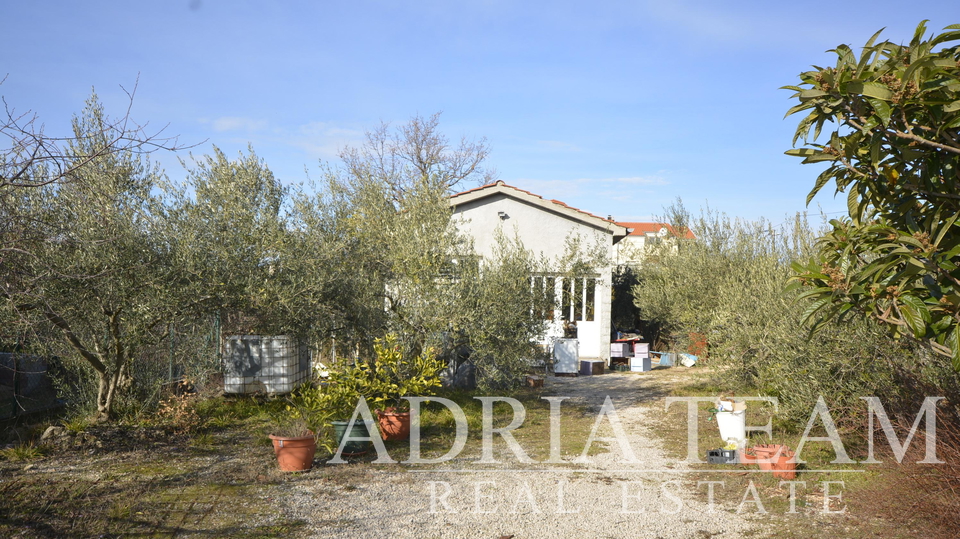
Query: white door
x,y
579,306
575,301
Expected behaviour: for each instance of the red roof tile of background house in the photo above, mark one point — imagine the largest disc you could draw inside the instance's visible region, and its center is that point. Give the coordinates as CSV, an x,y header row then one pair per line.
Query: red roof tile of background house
x,y
642,229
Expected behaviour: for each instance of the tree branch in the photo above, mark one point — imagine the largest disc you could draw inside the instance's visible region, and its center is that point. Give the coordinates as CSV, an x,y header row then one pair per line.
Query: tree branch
x,y
926,142
74,341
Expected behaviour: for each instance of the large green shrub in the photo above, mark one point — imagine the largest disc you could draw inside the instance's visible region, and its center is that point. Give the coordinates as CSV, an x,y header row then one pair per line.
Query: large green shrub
x,y
730,284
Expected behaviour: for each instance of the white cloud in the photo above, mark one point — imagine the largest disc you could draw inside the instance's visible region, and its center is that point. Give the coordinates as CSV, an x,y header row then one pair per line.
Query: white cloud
x,y
701,19
632,180
324,140
237,123
558,145
531,184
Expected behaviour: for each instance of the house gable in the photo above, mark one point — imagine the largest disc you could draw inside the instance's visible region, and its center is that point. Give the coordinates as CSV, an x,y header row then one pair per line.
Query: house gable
x,y
542,225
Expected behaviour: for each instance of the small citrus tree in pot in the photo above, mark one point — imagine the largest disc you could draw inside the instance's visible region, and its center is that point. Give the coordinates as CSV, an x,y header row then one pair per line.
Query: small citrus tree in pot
x,y
394,375
327,406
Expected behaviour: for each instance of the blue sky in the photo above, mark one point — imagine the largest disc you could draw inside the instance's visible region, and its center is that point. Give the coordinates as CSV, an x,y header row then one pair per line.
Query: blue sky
x,y
613,107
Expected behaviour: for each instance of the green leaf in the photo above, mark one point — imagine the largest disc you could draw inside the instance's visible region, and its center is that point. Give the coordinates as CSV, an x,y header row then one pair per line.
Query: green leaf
x,y
951,253
853,205
813,308
881,108
820,290
803,152
918,305
953,341
912,317
952,107
871,122
846,55
914,66
797,108
949,125
803,128
949,63
811,93
867,53
944,228
946,36
868,89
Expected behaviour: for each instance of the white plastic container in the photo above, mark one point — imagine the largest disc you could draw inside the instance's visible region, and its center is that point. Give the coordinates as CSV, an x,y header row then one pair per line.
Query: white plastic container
x,y
274,364
733,425
640,363
566,356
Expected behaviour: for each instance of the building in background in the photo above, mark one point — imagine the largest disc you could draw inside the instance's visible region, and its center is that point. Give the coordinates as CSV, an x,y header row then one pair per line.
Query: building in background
x,y
544,226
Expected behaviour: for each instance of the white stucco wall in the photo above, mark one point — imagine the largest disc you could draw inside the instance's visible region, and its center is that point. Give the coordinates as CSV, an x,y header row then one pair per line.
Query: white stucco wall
x,y
545,233
630,250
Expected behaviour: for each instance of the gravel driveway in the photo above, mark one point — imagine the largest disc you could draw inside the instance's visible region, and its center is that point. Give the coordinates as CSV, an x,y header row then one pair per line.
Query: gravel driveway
x,y
605,497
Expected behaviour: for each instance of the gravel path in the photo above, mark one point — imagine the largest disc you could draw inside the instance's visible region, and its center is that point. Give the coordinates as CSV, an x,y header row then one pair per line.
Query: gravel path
x,y
603,498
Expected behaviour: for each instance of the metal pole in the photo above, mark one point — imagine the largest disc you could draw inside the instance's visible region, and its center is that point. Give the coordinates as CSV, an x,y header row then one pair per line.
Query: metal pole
x,y
170,335
216,331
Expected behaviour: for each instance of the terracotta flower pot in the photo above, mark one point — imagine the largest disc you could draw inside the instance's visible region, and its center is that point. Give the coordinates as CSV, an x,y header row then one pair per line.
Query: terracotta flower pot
x,y
294,454
748,456
785,466
767,454
394,425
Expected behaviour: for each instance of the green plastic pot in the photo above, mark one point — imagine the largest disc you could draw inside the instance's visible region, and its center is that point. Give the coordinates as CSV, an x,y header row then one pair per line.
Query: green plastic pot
x,y
360,428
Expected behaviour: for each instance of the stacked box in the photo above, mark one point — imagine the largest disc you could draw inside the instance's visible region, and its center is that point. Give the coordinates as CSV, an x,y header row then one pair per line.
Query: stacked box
x,y
640,362
591,366
274,364
620,349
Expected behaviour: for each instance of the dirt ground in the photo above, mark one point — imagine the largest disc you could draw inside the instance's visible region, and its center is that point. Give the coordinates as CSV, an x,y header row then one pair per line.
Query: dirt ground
x,y
223,482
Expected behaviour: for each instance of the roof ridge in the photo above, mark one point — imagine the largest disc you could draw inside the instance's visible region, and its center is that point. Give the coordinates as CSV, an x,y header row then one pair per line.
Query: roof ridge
x,y
501,183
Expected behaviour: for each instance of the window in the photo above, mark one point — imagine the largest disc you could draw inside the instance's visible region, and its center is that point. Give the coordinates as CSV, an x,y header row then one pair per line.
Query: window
x,y
545,288
579,299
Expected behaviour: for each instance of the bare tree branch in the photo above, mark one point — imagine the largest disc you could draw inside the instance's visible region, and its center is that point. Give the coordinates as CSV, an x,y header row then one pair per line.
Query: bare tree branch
x,y
30,158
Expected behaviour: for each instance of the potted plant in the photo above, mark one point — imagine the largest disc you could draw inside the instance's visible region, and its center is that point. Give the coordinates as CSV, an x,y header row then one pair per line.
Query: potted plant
x,y
394,375
327,407
294,443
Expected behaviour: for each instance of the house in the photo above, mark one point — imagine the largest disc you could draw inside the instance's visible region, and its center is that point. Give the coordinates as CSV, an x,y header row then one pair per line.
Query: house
x,y
543,227
631,250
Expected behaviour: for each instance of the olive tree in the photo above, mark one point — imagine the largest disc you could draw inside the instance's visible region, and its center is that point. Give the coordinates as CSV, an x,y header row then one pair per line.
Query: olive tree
x,y
227,233
85,261
270,258
31,158
390,196
413,272
892,144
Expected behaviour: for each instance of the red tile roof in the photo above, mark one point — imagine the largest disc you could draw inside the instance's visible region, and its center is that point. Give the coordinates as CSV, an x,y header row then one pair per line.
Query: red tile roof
x,y
642,229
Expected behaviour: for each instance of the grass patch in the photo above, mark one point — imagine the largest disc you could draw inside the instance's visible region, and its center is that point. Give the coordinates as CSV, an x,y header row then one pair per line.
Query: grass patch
x,y
809,518
22,452
203,441
438,429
